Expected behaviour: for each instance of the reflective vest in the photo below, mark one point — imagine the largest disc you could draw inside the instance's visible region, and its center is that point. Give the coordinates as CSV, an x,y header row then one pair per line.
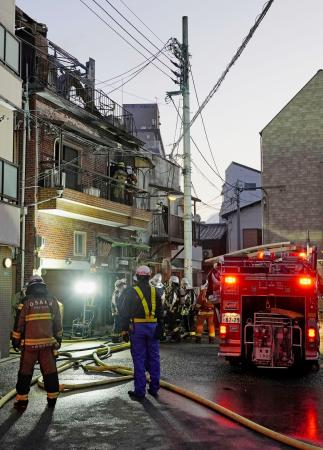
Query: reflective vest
x,y
149,316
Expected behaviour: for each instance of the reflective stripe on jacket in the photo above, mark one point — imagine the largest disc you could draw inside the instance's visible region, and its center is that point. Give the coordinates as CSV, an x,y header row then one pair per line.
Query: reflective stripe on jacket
x,y
38,322
149,315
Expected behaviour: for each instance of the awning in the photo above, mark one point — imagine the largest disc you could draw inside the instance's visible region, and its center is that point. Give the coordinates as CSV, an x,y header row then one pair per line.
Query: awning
x,y
115,242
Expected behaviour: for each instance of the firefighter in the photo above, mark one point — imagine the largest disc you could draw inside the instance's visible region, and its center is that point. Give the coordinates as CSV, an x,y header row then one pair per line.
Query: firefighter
x,y
116,304
142,322
38,334
213,291
173,309
187,301
120,177
156,281
131,183
205,312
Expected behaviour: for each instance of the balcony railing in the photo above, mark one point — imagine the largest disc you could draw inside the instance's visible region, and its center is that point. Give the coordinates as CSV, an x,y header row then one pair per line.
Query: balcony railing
x,y
92,183
71,84
168,227
8,181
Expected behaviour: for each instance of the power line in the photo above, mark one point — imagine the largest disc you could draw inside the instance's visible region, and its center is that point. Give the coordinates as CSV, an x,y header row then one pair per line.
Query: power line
x,y
229,66
121,36
124,4
204,128
135,28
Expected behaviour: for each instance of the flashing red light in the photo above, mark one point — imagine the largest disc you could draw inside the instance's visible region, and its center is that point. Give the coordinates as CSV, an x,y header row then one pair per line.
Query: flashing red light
x,y
306,281
302,254
260,255
230,280
223,331
311,333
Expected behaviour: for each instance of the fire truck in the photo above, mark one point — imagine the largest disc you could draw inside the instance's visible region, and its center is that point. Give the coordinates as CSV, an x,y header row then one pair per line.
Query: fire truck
x,y
269,307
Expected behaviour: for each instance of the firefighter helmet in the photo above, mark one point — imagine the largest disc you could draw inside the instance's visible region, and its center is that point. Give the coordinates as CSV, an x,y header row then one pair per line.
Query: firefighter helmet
x,y
36,279
143,271
156,280
185,283
174,279
118,283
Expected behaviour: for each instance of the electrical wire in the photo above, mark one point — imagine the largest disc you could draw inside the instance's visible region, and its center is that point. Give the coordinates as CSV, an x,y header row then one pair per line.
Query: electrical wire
x,y
135,28
121,36
236,56
124,4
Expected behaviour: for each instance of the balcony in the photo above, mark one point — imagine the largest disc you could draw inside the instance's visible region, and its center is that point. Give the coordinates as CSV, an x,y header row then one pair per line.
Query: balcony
x,y
170,228
63,80
8,182
91,197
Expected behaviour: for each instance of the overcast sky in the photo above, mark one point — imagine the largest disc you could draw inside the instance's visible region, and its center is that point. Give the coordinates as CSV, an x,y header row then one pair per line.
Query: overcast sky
x,y
285,52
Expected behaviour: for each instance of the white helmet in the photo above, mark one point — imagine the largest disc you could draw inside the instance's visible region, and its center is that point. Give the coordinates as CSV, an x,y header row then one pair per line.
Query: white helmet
x,y
185,283
143,271
174,279
157,280
120,282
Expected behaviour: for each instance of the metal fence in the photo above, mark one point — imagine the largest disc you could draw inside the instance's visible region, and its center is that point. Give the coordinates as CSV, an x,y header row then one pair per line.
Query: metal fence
x,y
92,183
71,84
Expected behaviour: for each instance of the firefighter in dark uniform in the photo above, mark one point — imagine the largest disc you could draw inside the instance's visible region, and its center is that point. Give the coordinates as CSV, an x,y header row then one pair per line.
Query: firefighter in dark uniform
x,y
142,321
38,334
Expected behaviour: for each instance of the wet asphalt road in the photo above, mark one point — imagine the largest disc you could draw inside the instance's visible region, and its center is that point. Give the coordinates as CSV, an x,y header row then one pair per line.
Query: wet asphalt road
x,y
105,418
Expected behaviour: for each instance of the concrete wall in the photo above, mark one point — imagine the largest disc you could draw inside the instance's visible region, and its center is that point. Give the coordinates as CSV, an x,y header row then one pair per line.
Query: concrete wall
x,y
237,174
7,14
250,217
292,155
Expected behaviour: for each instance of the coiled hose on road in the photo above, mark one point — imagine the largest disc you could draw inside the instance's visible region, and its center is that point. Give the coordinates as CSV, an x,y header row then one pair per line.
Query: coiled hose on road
x,y
98,353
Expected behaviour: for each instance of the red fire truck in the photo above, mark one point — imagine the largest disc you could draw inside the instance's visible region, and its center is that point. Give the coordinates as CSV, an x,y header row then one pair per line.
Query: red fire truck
x,y
269,307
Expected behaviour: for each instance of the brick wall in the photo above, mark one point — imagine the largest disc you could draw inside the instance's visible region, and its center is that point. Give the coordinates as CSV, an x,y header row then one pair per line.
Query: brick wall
x,y
292,155
59,235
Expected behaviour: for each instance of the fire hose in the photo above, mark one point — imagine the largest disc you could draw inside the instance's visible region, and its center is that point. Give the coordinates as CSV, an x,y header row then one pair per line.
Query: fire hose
x,y
102,352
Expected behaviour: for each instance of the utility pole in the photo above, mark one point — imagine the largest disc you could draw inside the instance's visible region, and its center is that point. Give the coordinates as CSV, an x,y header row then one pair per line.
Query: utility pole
x,y
187,158
181,53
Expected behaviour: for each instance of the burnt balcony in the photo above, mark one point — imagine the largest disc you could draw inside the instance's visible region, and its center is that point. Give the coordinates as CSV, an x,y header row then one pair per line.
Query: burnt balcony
x,y
63,80
91,196
170,228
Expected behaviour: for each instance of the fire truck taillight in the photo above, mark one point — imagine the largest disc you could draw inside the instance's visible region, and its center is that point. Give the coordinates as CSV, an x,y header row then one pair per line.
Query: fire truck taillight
x,y
311,334
305,281
223,331
302,254
230,280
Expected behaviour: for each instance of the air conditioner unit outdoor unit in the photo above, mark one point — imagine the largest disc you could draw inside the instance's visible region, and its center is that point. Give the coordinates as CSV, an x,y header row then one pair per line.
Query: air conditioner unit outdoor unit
x,y
92,191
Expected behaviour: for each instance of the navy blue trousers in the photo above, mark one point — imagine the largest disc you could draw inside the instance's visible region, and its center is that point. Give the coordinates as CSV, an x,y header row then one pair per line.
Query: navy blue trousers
x,y
145,356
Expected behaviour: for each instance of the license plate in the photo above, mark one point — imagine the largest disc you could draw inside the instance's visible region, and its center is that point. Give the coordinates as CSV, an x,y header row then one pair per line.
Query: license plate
x,y
230,318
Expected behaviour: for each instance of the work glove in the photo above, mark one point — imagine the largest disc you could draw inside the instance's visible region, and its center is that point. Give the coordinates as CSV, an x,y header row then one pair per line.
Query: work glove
x,y
125,336
15,345
159,332
58,344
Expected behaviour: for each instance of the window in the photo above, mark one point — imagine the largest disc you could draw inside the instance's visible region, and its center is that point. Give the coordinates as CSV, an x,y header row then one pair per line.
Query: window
x,y
250,185
79,243
8,181
9,49
251,237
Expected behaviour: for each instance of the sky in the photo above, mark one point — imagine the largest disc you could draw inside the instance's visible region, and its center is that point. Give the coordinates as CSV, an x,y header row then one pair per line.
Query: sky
x,y
285,52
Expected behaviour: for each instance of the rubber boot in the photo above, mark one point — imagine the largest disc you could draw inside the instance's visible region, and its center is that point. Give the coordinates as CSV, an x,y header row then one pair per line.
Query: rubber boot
x,y
211,339
21,405
198,339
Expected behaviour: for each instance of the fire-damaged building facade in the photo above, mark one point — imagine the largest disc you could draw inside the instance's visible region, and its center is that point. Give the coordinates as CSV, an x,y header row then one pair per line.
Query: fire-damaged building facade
x,y
84,211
